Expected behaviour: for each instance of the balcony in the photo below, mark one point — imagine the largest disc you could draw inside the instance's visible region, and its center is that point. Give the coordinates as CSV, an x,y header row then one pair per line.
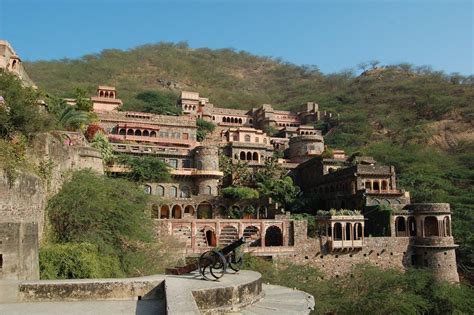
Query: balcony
x,y
348,244
195,172
165,141
383,192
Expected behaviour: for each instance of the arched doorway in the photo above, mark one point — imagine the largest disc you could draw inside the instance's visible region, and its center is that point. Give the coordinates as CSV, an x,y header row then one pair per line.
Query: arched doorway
x,y
431,226
357,231
401,229
411,226
164,212
176,213
273,236
211,239
204,211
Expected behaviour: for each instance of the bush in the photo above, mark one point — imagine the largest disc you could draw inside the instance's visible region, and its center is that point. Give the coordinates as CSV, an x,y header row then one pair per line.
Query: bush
x,y
76,261
238,193
99,210
204,127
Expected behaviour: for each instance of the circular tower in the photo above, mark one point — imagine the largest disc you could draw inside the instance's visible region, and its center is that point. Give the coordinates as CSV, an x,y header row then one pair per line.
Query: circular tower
x,y
304,147
434,246
206,160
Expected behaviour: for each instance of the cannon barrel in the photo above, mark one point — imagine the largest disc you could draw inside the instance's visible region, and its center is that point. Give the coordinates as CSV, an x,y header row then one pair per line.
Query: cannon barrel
x,y
232,246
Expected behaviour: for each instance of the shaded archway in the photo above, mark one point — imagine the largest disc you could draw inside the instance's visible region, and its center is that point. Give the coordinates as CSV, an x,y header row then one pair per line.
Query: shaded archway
x,y
164,212
211,239
173,191
146,133
130,132
153,134
357,231
273,236
411,226
431,226
337,231
249,156
204,211
160,190
255,156
189,211
138,132
122,132
384,185
176,213
348,231
242,156
400,225
185,192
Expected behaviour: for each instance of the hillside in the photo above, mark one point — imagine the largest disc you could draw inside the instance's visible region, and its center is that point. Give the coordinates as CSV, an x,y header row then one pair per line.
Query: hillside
x,y
419,120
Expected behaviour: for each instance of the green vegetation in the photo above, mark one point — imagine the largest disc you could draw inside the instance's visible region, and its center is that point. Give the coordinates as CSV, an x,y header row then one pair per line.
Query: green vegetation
x,y
311,221
369,290
239,193
145,168
99,228
204,128
156,102
101,142
272,182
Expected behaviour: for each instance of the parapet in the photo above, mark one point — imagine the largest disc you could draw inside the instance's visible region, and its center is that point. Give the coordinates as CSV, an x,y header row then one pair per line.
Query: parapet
x,y
429,208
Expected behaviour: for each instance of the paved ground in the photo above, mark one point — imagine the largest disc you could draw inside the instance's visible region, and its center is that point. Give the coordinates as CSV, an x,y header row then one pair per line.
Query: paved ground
x,y
144,307
277,300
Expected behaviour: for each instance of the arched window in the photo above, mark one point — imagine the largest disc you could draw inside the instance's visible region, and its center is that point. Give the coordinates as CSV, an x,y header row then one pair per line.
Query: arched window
x,y
247,138
249,156
185,192
211,239
223,119
199,165
384,185
240,120
255,156
242,156
138,132
204,211
122,132
160,190
153,134
208,190
376,186
348,231
431,226
130,132
164,212
147,189
232,120
401,226
337,231
173,191
146,133
176,212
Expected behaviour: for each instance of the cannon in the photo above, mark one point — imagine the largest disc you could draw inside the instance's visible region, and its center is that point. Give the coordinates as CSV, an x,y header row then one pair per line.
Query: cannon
x,y
213,264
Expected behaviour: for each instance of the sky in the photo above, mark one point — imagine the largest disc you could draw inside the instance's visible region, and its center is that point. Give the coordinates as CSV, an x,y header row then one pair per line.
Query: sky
x,y
334,35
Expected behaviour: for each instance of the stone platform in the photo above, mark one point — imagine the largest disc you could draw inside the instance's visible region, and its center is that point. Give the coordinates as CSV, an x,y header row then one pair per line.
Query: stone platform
x,y
241,293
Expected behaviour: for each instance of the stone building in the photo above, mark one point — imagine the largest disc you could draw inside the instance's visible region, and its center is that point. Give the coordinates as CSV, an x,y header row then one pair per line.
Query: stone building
x,y
11,62
190,207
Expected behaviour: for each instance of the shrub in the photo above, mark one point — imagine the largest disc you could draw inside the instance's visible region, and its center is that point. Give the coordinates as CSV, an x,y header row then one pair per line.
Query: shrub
x,y
238,193
145,168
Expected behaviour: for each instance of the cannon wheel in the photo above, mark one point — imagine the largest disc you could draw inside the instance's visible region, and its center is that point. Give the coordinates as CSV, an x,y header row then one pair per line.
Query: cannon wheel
x,y
235,261
212,265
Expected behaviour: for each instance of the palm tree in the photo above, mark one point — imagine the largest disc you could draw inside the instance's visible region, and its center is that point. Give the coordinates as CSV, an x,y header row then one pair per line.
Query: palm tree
x,y
72,119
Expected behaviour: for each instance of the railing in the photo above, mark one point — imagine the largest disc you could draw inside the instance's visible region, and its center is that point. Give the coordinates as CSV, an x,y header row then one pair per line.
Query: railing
x,y
382,191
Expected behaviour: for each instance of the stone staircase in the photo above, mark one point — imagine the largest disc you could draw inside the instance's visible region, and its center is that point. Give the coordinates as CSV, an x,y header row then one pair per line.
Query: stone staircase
x,y
229,234
253,233
201,240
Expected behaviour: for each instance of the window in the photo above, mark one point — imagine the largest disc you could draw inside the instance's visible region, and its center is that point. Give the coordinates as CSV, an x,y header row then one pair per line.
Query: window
x,y
173,163
186,163
173,191
257,139
147,189
160,191
185,192
247,138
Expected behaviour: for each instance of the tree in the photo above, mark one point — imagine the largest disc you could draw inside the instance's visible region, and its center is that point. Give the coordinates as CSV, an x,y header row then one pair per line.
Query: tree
x,y
145,168
239,193
20,111
156,102
72,119
83,101
237,174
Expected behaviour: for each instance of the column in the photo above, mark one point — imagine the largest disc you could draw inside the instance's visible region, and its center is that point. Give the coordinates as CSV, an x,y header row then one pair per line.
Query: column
x,y
262,229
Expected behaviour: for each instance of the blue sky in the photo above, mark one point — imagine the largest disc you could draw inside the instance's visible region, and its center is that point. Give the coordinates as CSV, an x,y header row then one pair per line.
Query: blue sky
x,y
334,35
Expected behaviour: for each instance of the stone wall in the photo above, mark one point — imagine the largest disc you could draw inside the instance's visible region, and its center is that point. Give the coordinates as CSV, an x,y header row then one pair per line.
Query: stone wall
x,y
19,251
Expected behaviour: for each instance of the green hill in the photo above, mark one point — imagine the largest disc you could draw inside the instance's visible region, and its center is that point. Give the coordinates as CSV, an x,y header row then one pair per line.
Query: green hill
x,y
419,120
